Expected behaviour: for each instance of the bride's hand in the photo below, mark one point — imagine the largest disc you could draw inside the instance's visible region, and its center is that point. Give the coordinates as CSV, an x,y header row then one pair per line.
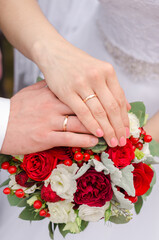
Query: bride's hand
x,y
36,123
73,76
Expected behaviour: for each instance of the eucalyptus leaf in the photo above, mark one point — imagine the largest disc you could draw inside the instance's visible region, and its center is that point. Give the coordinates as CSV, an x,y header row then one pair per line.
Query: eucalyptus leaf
x,y
138,205
154,148
61,227
29,214
22,203
51,233
84,224
138,108
5,183
13,200
99,148
121,219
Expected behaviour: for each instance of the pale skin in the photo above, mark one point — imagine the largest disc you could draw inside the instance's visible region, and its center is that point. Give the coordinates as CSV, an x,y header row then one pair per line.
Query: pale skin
x,y
36,123
70,73
152,127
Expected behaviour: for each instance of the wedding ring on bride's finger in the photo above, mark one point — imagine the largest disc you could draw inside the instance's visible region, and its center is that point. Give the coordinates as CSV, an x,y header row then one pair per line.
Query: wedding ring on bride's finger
x,y
65,123
89,97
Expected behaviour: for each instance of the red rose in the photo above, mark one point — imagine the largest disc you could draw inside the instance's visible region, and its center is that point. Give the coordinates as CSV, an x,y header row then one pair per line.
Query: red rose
x,y
49,195
93,189
22,179
122,156
143,175
39,166
63,153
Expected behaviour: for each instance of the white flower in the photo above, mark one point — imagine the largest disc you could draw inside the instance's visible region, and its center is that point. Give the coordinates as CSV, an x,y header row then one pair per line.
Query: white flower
x,y
146,149
92,214
31,200
13,185
61,212
62,181
134,125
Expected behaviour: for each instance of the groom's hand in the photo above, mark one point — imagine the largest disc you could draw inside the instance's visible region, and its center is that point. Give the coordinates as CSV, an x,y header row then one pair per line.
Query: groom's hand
x,y
36,123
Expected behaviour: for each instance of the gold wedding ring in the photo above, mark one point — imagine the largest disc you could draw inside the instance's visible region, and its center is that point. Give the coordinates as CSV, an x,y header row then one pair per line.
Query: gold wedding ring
x,y
89,97
65,123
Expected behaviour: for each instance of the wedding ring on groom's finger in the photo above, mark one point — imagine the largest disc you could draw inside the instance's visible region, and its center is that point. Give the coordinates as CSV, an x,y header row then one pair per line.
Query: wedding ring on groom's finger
x,y
89,97
65,123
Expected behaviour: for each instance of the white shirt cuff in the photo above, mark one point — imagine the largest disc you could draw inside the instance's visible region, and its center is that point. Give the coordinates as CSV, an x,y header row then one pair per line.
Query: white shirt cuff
x,y
4,117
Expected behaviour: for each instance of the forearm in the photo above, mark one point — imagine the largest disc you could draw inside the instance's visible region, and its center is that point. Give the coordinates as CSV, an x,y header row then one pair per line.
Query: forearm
x,y
152,127
25,26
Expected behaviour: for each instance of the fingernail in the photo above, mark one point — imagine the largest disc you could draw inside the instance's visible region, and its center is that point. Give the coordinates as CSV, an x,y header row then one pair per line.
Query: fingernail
x,y
94,141
127,132
99,132
122,141
114,142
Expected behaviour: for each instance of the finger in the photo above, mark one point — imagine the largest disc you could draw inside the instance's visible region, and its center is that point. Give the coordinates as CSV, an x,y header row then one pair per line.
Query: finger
x,y
99,114
113,112
70,139
84,115
72,125
118,93
35,86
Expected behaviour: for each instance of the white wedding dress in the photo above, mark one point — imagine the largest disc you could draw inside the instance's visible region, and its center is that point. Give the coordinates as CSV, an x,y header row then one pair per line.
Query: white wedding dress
x,y
126,34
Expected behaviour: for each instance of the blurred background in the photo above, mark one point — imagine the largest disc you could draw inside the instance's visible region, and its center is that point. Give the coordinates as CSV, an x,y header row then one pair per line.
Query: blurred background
x,y
6,68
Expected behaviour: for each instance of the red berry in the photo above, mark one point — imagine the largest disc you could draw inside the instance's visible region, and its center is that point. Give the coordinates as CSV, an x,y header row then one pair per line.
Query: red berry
x,y
78,156
86,157
80,163
12,169
48,214
134,140
5,165
148,138
143,132
139,145
37,204
89,151
19,193
97,158
43,213
76,149
68,162
7,191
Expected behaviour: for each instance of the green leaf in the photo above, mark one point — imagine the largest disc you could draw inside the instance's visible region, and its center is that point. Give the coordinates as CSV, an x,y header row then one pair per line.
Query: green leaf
x,y
138,108
154,148
13,200
4,158
84,224
121,219
5,183
22,203
55,225
29,214
138,205
61,227
51,233
39,79
99,148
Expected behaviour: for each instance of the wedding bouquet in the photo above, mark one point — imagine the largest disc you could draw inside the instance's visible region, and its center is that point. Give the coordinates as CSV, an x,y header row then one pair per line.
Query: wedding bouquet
x,y
73,186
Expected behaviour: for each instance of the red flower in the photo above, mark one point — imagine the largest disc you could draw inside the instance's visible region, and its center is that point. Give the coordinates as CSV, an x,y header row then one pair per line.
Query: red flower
x,y
93,189
39,166
22,179
122,156
130,198
49,195
63,153
143,175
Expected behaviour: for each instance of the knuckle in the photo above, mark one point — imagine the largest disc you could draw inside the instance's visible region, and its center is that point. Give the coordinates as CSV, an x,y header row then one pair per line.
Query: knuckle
x,y
82,113
99,112
94,74
80,82
110,133
66,138
109,69
113,107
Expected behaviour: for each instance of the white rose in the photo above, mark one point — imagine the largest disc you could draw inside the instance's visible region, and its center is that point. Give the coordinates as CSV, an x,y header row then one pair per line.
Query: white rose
x,y
61,212
146,149
92,214
13,185
62,181
134,125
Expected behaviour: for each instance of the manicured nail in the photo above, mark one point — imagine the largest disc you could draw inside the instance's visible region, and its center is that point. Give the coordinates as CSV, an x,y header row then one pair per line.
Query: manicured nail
x,y
122,141
114,142
94,141
127,132
99,132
